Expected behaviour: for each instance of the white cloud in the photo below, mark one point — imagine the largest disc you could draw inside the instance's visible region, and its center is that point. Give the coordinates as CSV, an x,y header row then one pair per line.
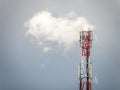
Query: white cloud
x,y
61,31
46,49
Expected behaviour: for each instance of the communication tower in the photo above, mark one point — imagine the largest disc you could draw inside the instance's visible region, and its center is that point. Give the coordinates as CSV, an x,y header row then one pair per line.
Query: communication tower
x,y
85,67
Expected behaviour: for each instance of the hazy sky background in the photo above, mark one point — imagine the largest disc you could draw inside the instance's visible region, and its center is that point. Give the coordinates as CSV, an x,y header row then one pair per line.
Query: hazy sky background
x,y
24,67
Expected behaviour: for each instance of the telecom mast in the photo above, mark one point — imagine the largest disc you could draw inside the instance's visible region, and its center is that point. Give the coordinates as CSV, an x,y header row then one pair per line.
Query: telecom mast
x,y
85,67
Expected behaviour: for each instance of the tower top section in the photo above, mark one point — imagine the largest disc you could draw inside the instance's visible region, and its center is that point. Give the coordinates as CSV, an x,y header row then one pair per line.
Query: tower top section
x,y
86,38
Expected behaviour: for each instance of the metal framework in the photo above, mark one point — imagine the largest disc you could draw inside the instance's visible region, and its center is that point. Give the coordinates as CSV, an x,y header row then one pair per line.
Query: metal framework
x,y
85,67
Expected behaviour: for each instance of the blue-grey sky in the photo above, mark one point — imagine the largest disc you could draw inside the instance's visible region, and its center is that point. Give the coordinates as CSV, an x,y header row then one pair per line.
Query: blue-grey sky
x,y
24,67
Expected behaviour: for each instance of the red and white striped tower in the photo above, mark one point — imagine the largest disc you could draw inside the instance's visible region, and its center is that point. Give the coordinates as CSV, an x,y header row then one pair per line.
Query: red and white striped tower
x,y
85,67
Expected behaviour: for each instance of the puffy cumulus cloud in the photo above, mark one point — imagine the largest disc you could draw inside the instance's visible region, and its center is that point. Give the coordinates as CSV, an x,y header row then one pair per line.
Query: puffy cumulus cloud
x,y
56,32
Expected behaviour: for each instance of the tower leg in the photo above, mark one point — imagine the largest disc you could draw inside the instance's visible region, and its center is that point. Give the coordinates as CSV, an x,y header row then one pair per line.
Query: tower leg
x,y
81,86
88,85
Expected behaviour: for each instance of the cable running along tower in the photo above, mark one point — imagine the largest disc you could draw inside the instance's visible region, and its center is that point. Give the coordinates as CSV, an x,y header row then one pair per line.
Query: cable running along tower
x,y
85,67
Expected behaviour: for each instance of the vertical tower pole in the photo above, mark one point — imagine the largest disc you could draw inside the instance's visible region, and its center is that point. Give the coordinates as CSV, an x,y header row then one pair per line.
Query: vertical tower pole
x,y
85,73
